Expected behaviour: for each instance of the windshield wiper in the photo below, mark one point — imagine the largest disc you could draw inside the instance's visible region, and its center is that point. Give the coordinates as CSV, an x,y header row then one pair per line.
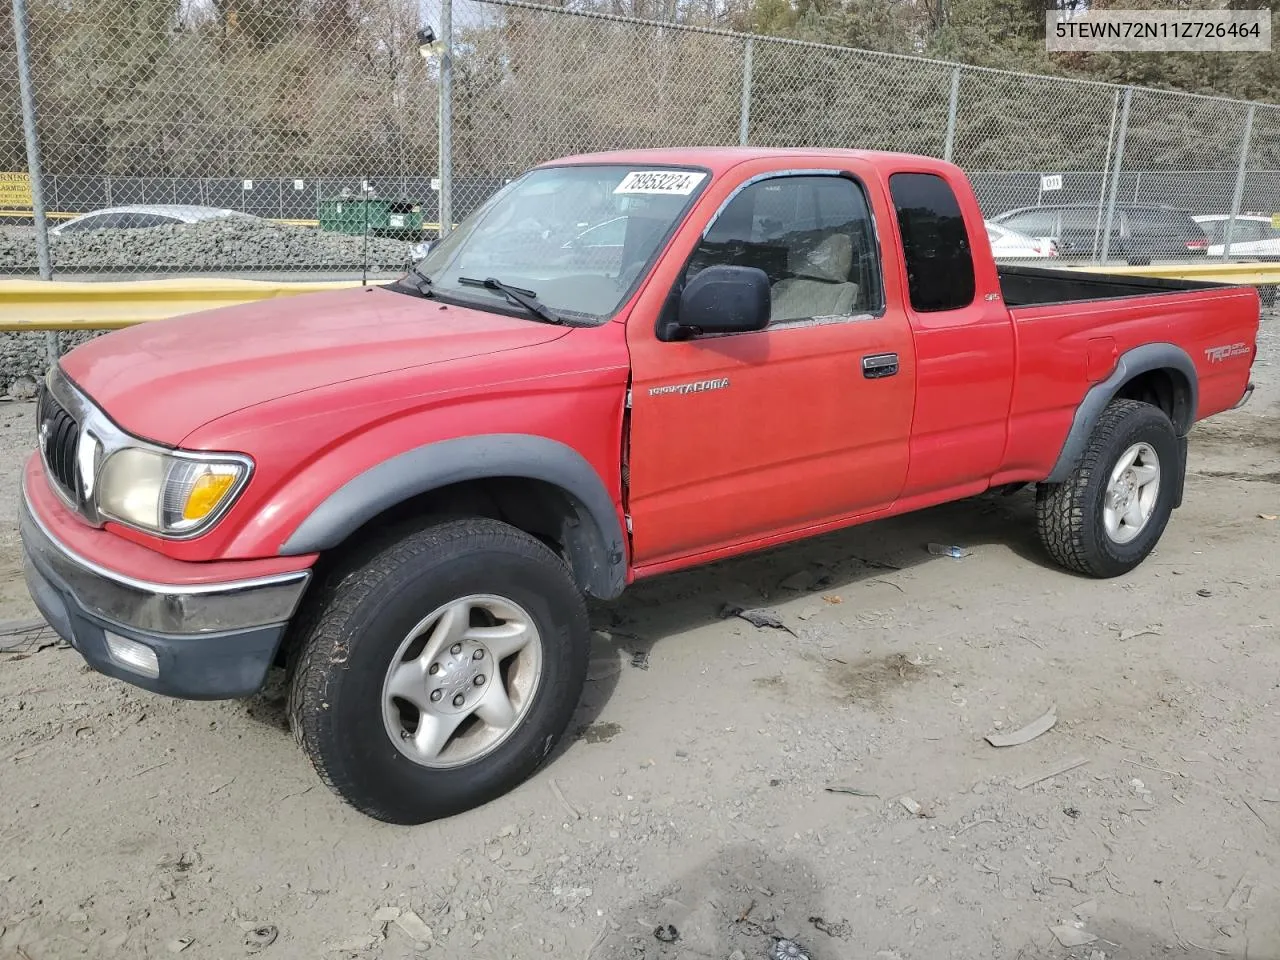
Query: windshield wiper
x,y
526,298
423,281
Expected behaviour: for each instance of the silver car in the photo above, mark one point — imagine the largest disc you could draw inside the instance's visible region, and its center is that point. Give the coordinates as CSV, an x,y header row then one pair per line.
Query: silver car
x,y
141,215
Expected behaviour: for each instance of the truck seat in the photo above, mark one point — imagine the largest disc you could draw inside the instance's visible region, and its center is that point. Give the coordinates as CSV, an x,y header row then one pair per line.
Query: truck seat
x,y
820,286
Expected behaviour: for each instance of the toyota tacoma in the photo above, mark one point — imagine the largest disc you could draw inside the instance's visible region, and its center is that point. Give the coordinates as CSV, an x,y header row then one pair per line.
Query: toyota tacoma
x,y
620,365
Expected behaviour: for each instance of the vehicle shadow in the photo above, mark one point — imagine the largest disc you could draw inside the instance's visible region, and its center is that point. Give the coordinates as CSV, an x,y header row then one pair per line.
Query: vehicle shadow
x,y
628,629
677,602
270,705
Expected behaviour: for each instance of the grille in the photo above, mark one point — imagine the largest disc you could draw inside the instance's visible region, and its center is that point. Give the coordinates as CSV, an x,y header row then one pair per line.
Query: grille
x,y
59,437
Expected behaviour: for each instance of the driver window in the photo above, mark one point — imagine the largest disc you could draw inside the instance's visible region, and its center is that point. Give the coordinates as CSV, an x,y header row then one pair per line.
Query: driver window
x,y
811,235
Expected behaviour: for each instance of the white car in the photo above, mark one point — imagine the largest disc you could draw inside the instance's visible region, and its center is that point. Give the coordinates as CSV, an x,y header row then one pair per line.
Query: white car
x,y
140,215
1253,235
1009,244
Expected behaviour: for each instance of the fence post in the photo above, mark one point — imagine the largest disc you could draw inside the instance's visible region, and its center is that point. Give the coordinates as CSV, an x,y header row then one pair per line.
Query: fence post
x,y
744,109
1237,195
952,105
27,94
1106,173
1115,174
446,118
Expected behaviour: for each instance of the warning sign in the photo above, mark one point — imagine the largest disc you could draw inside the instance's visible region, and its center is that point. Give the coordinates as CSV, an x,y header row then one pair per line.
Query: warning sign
x,y
15,191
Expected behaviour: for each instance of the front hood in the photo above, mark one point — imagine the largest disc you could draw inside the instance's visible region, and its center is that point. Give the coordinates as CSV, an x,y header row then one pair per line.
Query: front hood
x,y
163,379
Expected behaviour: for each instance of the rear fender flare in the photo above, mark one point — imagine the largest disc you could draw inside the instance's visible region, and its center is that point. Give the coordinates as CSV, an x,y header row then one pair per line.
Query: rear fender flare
x,y
1133,363
601,558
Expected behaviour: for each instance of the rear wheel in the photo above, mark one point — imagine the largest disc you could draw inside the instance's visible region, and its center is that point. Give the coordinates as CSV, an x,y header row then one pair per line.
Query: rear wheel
x,y
438,674
1110,512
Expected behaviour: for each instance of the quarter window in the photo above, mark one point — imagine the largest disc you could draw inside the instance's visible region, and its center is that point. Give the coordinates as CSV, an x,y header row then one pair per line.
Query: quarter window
x,y
934,241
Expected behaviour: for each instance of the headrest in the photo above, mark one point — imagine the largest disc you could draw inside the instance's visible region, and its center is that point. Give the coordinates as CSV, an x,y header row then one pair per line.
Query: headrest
x,y
829,260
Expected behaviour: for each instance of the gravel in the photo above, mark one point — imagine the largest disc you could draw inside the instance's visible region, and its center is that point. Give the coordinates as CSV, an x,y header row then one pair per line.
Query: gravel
x,y
24,358
228,243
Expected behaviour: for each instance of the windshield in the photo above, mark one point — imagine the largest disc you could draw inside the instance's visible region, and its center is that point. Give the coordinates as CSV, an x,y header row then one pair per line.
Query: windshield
x,y
579,237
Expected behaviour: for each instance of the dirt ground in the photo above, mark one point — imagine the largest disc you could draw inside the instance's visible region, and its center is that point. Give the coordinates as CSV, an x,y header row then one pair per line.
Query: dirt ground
x,y
696,792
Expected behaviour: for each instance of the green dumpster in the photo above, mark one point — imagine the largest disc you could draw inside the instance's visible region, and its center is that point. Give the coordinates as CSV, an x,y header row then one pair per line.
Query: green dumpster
x,y
384,218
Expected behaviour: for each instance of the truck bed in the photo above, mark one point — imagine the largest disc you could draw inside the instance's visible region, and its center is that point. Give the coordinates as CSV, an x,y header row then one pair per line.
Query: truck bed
x,y
1038,286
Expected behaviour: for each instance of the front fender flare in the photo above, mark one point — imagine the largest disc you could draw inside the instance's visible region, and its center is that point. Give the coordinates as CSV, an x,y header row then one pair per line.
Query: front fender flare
x,y
436,465
1132,363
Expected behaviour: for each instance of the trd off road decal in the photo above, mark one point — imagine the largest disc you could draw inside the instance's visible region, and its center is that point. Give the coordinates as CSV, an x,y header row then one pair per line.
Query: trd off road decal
x,y
1218,354
698,386
660,181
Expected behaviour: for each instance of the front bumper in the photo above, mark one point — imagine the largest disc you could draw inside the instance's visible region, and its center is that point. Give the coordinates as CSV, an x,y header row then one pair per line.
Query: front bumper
x,y
210,641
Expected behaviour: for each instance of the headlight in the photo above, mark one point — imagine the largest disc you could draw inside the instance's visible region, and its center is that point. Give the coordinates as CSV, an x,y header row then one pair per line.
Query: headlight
x,y
167,493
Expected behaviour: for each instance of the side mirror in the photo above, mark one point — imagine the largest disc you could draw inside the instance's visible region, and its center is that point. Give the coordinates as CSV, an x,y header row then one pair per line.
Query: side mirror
x,y
724,299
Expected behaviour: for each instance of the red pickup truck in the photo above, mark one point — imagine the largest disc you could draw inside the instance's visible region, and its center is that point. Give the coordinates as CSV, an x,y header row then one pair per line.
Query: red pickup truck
x,y
622,364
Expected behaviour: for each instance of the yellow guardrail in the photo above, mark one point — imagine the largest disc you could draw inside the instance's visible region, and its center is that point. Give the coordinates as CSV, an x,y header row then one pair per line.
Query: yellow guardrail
x,y
28,214
111,305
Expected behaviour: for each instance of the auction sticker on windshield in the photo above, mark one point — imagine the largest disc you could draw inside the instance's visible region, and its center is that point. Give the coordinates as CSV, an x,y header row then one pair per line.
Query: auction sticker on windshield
x,y
659,181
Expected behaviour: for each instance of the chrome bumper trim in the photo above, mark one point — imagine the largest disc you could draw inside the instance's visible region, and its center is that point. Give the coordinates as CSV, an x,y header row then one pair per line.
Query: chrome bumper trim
x,y
173,609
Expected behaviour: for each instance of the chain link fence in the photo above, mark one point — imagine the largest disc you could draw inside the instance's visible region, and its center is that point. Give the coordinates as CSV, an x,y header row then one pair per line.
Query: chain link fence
x,y
318,120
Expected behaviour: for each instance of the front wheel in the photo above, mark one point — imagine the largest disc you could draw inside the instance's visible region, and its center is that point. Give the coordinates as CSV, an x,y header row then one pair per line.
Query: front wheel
x,y
438,675
1110,512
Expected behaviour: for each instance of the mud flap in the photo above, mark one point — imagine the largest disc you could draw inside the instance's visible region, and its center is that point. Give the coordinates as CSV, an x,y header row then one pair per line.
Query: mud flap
x,y
1180,470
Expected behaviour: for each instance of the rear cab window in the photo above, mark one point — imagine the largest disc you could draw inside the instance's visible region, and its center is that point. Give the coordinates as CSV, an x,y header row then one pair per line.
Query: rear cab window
x,y
935,242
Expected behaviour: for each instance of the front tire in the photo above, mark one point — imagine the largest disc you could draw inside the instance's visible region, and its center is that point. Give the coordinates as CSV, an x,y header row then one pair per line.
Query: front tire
x,y
1111,511
395,696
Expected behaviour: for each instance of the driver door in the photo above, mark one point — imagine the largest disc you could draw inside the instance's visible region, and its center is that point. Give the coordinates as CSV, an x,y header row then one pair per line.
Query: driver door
x,y
740,438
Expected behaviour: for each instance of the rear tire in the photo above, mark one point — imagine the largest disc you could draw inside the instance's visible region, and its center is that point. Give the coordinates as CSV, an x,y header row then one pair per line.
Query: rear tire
x,y
476,592
1105,518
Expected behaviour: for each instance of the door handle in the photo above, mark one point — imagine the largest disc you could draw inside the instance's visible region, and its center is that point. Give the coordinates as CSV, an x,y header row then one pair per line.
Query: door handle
x,y
877,365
